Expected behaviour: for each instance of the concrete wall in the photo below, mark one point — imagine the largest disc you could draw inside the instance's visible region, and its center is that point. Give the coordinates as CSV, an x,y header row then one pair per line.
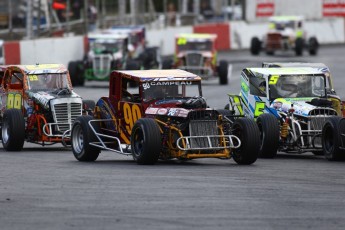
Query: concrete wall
x,y
238,36
52,50
310,9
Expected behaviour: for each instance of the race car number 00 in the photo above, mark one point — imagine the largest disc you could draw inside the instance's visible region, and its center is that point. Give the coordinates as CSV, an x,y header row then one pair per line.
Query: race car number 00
x,y
14,101
131,115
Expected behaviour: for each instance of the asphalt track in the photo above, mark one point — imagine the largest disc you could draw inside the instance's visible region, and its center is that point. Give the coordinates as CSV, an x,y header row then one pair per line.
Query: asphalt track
x,y
46,188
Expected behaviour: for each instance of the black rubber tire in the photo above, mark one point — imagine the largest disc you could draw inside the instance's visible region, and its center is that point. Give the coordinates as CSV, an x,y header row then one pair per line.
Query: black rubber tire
x,y
331,139
146,141
88,107
255,46
223,72
80,79
318,153
269,128
270,52
133,65
13,130
167,64
248,132
73,69
313,46
81,136
299,45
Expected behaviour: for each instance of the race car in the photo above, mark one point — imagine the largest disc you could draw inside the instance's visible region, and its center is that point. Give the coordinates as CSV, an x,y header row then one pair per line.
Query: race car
x,y
164,117
285,33
331,93
37,105
141,56
197,53
290,106
117,48
106,52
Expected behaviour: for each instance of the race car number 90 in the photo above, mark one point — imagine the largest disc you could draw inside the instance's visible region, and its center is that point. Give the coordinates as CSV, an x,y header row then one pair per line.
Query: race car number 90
x,y
131,113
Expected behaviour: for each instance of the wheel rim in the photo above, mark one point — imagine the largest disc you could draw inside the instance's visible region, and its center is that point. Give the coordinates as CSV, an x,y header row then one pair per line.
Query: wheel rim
x,y
138,142
78,139
5,131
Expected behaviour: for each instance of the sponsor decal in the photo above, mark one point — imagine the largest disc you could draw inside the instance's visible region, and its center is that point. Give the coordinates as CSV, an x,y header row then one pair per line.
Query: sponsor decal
x,y
264,8
333,8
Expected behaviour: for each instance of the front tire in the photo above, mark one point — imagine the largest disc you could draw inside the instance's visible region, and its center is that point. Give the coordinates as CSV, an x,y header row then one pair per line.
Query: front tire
x,y
13,130
299,45
146,141
269,135
331,139
247,131
255,46
313,46
81,136
223,72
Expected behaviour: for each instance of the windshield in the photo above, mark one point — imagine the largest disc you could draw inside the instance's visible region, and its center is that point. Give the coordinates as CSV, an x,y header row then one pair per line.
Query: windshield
x,y
282,25
174,89
198,46
48,81
110,46
297,86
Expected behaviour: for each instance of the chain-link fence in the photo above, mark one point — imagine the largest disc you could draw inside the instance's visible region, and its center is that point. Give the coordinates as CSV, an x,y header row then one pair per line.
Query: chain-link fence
x,y
41,18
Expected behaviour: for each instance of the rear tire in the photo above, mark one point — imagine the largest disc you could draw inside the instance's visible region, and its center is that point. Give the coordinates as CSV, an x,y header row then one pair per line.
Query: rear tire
x,y
247,131
13,130
269,135
313,46
299,45
331,139
167,64
81,136
223,72
146,141
255,46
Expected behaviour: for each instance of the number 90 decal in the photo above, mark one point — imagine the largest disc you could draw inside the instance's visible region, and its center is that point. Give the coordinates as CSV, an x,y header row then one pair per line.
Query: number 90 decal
x,y
131,113
14,101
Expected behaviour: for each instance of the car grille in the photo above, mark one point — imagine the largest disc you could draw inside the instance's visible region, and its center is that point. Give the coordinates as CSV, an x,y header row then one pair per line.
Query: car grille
x,y
318,117
101,66
203,128
317,120
194,60
65,113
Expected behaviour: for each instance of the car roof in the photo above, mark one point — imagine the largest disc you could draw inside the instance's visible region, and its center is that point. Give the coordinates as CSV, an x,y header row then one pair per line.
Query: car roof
x,y
285,18
286,71
296,64
159,75
106,36
197,36
41,68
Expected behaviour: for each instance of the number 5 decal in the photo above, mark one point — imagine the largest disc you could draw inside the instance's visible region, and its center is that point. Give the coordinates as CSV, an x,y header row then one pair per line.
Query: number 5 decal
x,y
259,108
131,115
14,101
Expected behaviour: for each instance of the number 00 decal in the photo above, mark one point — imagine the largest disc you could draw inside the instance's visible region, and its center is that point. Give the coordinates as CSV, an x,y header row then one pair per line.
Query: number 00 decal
x,y
131,114
14,101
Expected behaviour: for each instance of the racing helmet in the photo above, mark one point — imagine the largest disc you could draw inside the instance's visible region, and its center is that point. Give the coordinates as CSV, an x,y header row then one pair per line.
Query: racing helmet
x,y
290,86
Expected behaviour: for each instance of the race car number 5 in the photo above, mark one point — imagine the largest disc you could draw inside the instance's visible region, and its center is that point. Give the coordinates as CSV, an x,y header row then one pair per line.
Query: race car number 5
x,y
273,80
131,114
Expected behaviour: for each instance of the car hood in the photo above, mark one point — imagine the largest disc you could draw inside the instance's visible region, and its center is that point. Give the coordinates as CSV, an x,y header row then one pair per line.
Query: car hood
x,y
301,106
44,97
